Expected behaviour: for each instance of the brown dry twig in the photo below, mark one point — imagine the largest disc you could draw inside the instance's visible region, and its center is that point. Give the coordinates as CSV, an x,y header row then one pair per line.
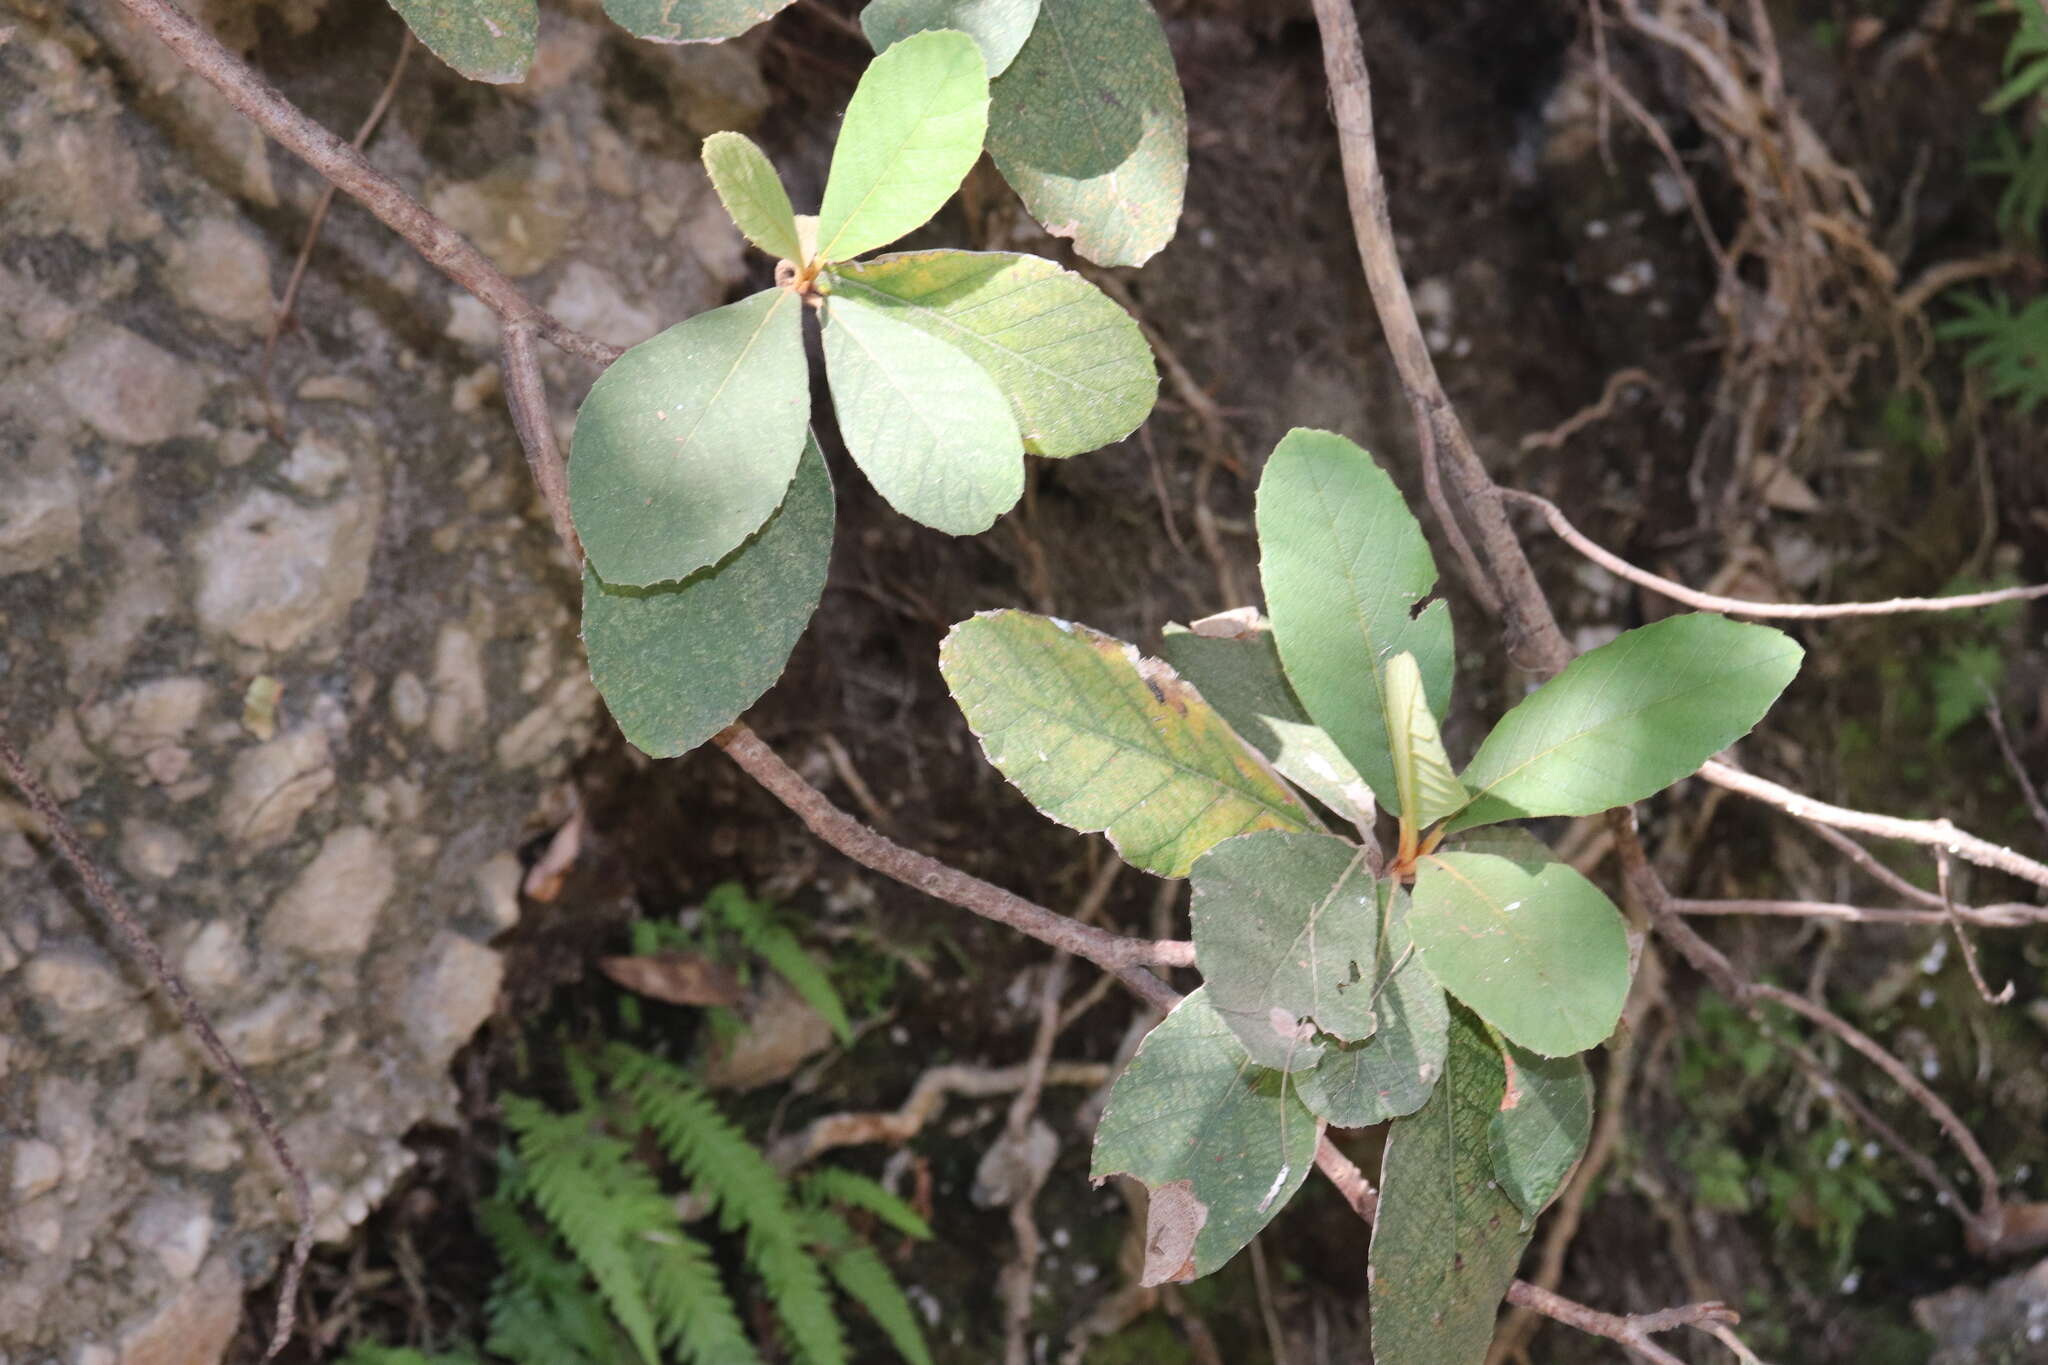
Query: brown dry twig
x,y
283,315
143,948
1776,611
1610,394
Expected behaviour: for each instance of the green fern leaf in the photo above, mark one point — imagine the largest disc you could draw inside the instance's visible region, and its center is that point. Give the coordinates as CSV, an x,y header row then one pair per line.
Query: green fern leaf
x,y
779,948
730,1171
596,1197
863,1277
697,1315
836,1185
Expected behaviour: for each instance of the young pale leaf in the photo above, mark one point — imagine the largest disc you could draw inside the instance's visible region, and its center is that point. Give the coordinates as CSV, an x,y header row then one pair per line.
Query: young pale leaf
x,y
687,443
1628,719
1221,1143
1101,739
1287,931
1539,952
999,26
486,40
1428,786
1394,1071
912,132
679,662
1074,366
925,423
1089,126
1545,1118
1241,678
1447,1240
752,194
1344,563
690,21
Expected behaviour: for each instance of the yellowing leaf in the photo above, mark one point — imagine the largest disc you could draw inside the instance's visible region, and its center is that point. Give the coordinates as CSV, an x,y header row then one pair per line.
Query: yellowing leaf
x,y
1423,775
1101,739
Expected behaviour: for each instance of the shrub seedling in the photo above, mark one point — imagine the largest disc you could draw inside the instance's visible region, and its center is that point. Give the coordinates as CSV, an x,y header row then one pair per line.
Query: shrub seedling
x,y
1448,987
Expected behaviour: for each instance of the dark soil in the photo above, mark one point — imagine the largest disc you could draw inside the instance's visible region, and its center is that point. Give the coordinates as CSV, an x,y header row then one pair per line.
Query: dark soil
x,y
1260,297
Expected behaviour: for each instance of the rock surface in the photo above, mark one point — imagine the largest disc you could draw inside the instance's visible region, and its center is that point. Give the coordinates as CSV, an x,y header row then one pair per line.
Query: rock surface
x,y
299,667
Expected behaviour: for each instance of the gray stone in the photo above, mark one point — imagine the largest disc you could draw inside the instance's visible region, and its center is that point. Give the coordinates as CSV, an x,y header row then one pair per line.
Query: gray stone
x,y
175,1228
452,994
152,850
273,572
35,1167
331,908
219,268
39,518
74,982
128,389
272,785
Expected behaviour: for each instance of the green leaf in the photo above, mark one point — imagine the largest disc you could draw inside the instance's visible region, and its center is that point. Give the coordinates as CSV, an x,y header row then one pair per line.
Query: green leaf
x,y
925,423
1089,126
998,26
1540,953
677,663
688,442
1101,739
1075,366
1240,676
1628,719
1545,1119
486,40
1447,1240
1394,1071
1344,563
690,21
1221,1143
752,194
1428,787
863,1276
912,132
1287,930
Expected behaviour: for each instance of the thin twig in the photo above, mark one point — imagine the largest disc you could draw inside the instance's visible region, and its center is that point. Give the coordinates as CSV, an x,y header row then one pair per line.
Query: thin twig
x,y
2010,915
1736,606
1114,952
1526,611
345,167
312,239
1610,394
1995,714
141,946
1633,1331
1940,833
526,397
1963,943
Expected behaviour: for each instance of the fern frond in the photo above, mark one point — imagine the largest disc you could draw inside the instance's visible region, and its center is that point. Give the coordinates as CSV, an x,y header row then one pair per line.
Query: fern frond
x,y
863,1277
697,1315
730,1171
2011,344
367,1353
848,1189
596,1197
533,1328
779,948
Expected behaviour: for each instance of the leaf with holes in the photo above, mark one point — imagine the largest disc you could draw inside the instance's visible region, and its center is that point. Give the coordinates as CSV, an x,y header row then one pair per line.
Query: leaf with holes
x,y
925,423
912,132
687,443
690,21
1447,1239
1240,676
1423,776
1344,563
1287,930
1090,128
1626,720
1223,1140
679,662
752,194
1101,739
1545,1119
1074,366
998,26
1393,1072
1538,952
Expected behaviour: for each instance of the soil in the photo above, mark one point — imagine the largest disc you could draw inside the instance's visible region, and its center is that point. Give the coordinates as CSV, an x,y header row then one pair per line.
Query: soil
x,y
1261,299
